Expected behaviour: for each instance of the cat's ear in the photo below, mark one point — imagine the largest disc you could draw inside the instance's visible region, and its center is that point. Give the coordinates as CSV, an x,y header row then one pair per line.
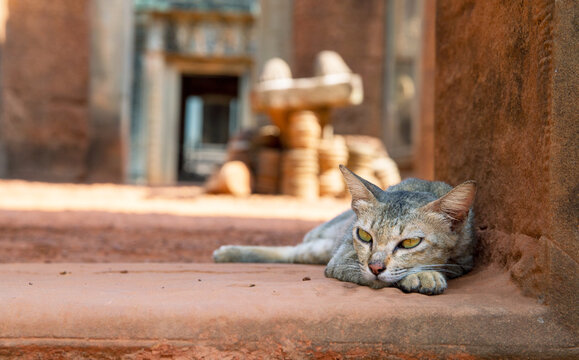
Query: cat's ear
x,y
363,192
456,204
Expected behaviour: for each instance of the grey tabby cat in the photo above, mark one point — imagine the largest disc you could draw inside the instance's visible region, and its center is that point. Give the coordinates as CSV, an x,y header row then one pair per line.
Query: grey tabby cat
x,y
413,236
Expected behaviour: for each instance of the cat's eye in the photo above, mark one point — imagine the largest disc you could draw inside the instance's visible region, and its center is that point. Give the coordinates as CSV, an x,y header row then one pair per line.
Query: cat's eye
x,y
363,235
410,243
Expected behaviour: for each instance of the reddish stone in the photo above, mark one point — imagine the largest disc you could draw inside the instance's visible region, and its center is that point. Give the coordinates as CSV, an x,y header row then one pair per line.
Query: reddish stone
x,y
262,311
45,69
506,116
424,147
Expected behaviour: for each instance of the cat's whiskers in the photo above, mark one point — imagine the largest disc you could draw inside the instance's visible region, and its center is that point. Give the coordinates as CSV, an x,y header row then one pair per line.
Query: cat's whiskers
x,y
394,275
435,267
397,274
443,265
445,268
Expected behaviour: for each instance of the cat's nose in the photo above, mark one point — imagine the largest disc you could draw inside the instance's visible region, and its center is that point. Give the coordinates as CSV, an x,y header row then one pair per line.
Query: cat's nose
x,y
377,268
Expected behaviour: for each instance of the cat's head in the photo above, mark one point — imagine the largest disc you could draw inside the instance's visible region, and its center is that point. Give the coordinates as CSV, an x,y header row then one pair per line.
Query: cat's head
x,y
409,229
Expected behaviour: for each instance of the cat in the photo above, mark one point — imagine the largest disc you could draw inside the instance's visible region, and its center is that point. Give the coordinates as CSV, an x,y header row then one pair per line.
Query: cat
x,y
414,235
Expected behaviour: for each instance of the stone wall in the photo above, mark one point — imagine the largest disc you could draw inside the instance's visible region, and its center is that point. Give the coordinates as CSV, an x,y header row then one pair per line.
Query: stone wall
x,y
355,30
424,148
111,73
506,116
44,120
64,90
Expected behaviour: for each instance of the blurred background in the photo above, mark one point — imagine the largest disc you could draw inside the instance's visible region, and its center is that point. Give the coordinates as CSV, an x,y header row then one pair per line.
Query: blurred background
x,y
152,91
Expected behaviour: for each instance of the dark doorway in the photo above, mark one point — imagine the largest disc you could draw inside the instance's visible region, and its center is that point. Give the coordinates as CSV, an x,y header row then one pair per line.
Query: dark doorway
x,y
209,117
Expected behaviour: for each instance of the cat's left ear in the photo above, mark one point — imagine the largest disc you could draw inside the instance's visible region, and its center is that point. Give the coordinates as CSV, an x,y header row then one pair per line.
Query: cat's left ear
x,y
363,192
456,204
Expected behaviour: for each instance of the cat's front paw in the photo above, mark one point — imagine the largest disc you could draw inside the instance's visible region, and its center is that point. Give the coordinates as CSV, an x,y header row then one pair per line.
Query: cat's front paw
x,y
425,282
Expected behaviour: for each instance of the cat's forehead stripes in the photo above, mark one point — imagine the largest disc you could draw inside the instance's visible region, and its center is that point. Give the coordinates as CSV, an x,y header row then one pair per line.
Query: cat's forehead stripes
x,y
401,229
396,227
406,199
395,205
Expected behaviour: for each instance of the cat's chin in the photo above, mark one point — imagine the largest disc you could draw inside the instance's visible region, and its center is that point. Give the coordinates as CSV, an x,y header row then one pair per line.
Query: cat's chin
x,y
387,278
375,282
378,284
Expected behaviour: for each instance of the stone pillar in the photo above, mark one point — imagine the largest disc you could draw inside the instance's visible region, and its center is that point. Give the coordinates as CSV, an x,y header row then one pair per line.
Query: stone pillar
x,y
563,157
506,116
424,145
3,19
154,101
44,120
109,99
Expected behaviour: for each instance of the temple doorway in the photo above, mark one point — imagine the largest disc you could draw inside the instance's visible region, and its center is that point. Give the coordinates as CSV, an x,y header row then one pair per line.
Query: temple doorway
x,y
208,118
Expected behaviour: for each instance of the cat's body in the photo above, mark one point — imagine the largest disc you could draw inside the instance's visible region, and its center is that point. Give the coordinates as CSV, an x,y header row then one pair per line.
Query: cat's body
x,y
414,235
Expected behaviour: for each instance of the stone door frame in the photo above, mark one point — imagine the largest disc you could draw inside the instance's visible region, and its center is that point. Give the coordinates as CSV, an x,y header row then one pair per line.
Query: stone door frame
x,y
163,79
162,73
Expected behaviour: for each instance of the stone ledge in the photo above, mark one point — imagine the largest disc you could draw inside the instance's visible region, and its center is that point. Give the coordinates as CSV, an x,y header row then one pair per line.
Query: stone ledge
x,y
248,310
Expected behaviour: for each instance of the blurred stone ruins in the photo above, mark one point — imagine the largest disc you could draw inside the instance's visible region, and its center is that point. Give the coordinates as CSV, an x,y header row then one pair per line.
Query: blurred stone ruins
x,y
299,153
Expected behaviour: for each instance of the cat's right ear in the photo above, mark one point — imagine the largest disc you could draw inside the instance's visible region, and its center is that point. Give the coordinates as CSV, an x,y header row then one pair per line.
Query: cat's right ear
x,y
363,192
456,204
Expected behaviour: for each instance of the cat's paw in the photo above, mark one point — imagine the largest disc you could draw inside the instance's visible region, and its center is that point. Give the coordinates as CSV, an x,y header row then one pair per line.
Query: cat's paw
x,y
227,253
425,282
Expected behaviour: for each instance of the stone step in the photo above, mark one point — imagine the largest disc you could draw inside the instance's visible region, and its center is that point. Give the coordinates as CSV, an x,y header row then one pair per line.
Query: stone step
x,y
194,311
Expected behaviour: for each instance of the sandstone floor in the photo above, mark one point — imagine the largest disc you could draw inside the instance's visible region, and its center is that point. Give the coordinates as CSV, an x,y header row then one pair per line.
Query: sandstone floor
x,y
42,222
125,272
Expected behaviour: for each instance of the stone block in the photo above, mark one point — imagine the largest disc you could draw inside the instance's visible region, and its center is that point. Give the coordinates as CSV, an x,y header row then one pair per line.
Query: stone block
x,y
45,67
307,93
47,51
506,116
262,311
44,141
564,286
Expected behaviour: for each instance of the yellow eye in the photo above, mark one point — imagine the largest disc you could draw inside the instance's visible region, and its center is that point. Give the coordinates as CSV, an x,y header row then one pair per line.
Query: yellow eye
x,y
364,236
410,243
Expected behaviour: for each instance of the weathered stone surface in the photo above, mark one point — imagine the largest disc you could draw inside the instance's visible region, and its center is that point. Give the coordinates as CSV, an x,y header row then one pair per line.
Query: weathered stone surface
x,y
506,116
525,256
46,50
45,142
45,70
252,311
424,151
111,71
491,122
564,158
50,128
